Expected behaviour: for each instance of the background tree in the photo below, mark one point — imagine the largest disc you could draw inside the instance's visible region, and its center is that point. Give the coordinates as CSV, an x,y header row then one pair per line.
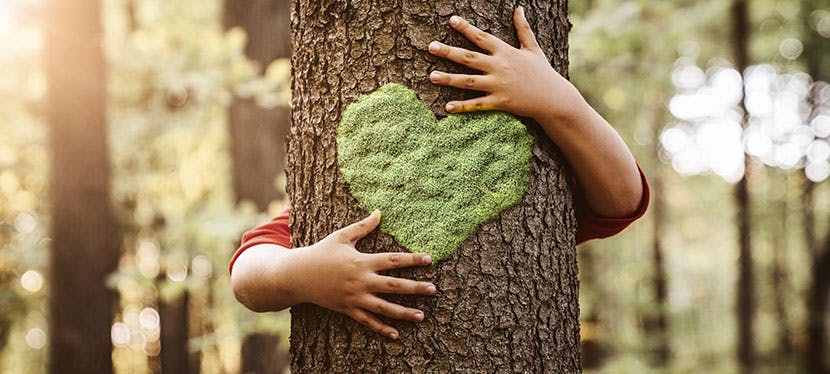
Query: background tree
x,y
257,133
85,245
508,297
745,294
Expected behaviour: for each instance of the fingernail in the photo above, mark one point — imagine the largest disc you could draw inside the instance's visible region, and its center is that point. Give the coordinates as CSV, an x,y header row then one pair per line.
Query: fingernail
x,y
522,11
434,75
433,47
431,288
454,20
427,259
393,334
419,316
450,107
376,213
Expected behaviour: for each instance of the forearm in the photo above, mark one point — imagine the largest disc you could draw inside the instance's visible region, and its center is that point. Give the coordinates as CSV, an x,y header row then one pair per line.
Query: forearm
x,y
265,277
604,166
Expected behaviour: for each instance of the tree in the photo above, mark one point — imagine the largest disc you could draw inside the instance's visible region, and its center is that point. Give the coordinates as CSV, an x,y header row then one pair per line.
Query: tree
x,y
257,137
85,244
258,134
508,297
816,59
745,302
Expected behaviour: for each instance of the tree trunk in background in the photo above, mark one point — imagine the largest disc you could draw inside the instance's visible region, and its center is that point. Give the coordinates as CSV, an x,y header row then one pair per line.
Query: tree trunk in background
x,y
507,299
594,346
779,279
745,302
657,320
84,238
817,60
258,134
262,354
174,337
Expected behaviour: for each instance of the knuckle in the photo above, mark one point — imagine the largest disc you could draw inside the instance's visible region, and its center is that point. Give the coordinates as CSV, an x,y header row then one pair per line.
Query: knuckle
x,y
380,308
394,284
469,82
468,57
394,259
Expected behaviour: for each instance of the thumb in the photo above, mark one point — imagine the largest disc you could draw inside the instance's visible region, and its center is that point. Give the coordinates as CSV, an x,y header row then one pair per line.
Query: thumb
x,y
359,229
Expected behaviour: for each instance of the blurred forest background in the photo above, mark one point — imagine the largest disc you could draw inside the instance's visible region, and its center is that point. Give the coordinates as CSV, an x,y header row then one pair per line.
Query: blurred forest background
x,y
728,114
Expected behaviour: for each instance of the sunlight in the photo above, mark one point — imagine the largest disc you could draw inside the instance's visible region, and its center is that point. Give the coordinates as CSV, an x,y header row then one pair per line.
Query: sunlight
x,y
7,21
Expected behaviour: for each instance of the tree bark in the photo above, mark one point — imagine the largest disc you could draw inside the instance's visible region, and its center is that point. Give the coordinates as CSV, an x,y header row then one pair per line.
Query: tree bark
x,y
258,134
507,299
85,244
745,292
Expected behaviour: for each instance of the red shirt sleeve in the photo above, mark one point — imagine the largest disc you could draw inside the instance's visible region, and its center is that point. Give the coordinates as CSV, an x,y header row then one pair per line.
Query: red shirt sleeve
x,y
590,225
273,232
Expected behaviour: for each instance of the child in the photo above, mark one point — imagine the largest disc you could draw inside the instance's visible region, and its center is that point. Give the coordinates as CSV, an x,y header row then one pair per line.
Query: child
x,y
610,192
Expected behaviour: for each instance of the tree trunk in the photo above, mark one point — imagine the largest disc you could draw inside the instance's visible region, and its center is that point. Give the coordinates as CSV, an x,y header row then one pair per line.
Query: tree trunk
x,y
262,354
258,134
85,244
174,337
779,280
658,321
816,58
507,298
745,293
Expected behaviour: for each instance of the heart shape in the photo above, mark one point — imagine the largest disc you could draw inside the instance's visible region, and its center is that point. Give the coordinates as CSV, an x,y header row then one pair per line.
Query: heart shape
x,y
433,181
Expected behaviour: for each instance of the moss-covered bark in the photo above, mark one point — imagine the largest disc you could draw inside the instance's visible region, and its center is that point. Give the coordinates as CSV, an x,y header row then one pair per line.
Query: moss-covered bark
x,y
507,298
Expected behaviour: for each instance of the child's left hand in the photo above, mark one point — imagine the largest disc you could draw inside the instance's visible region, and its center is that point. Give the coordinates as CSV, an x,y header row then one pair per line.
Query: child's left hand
x,y
520,81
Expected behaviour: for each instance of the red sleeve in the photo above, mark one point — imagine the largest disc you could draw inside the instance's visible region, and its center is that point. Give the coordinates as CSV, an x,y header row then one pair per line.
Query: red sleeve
x,y
273,232
591,225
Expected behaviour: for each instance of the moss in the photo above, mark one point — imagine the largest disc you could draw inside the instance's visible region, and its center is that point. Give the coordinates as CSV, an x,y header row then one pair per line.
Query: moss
x,y
433,181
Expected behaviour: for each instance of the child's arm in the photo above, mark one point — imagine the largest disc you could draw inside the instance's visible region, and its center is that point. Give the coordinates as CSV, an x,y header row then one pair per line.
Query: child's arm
x,y
331,274
522,82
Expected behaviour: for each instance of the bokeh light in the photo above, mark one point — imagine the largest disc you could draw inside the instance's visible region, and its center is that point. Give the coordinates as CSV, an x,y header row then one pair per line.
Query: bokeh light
x,y
36,338
31,281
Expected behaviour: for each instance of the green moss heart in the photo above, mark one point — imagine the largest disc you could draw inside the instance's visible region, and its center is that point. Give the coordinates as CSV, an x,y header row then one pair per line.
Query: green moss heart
x,y
433,181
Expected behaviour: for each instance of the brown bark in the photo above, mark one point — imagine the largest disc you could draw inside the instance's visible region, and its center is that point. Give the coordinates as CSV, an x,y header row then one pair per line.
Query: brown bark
x,y
745,292
258,134
507,299
85,244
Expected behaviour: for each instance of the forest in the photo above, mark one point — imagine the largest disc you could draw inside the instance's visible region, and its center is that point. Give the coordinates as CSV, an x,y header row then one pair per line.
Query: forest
x,y
139,140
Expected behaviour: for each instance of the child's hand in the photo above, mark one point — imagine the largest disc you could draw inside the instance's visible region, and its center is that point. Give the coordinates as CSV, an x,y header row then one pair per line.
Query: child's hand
x,y
519,81
346,281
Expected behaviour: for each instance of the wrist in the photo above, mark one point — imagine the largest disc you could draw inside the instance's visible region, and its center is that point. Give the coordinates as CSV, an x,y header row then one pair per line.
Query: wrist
x,y
564,104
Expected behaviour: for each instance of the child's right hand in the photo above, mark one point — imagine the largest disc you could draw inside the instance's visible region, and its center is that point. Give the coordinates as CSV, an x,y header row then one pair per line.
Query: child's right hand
x,y
333,274
347,281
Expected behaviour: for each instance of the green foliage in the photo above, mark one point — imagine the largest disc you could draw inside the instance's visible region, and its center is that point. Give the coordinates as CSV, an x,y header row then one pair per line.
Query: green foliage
x,y
434,181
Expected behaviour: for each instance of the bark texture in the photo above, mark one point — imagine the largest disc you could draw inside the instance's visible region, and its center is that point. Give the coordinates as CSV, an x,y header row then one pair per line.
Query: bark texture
x,y
507,299
85,245
258,134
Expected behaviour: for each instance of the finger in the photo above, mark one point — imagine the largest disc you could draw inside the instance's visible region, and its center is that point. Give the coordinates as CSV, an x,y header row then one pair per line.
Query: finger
x,y
470,59
480,38
466,81
359,229
382,307
364,318
400,286
473,105
527,39
397,260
